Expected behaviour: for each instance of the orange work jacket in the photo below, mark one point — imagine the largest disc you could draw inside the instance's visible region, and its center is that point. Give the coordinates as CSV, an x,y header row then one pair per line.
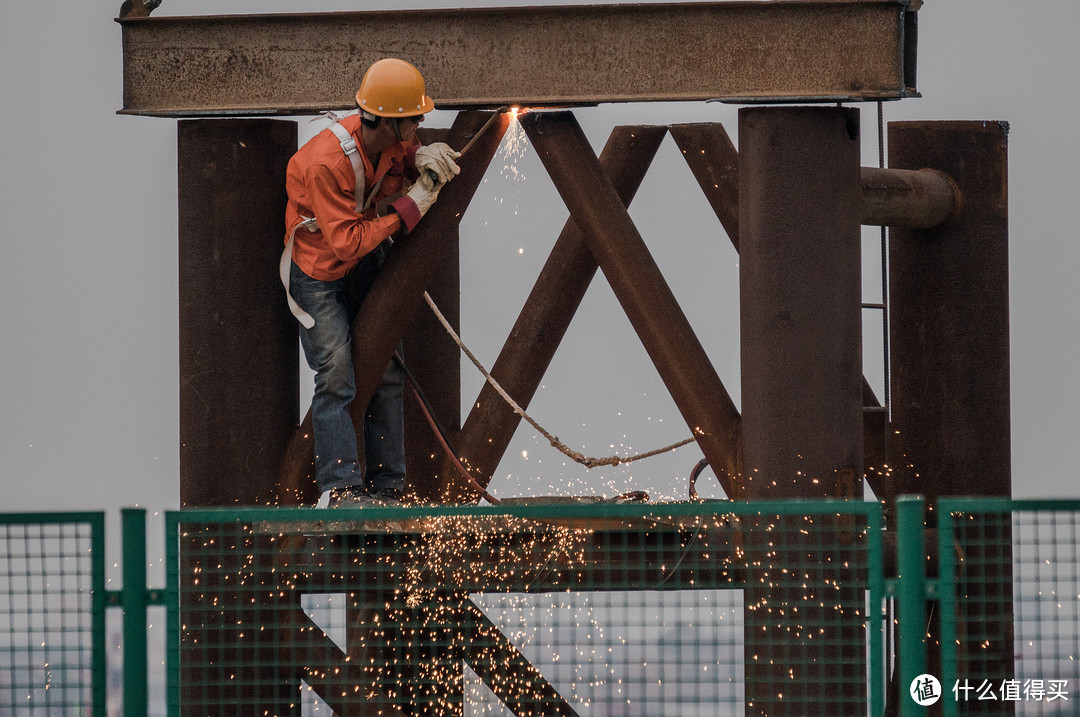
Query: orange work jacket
x,y
321,183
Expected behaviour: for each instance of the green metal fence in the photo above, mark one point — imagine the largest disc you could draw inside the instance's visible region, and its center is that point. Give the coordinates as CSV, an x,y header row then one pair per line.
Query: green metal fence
x,y
588,609
1009,594
52,614
605,609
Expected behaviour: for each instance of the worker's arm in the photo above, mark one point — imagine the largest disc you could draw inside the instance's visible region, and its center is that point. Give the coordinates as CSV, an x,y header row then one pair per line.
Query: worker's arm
x,y
349,235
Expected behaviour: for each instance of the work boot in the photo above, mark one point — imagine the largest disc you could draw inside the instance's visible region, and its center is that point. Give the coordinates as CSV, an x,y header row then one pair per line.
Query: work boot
x,y
350,497
388,497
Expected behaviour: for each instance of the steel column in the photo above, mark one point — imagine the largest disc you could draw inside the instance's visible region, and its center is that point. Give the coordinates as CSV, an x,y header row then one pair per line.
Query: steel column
x,y
235,413
543,321
639,285
531,56
435,360
800,290
950,363
802,423
950,319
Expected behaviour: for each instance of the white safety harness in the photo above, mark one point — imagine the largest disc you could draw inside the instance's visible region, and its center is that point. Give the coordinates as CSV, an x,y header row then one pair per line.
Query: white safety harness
x,y
352,151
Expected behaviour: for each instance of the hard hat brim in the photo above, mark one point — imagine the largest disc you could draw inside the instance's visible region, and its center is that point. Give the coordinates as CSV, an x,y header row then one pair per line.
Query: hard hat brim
x,y
426,105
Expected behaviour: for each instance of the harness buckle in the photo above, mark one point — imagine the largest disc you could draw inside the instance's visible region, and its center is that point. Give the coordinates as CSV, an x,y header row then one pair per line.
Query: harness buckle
x,y
349,145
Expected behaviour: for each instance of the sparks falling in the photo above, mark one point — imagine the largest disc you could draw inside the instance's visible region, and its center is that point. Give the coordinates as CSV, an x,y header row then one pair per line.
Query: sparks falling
x,y
514,146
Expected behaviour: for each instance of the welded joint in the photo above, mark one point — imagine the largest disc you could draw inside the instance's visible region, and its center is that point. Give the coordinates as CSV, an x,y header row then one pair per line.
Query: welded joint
x,y
957,195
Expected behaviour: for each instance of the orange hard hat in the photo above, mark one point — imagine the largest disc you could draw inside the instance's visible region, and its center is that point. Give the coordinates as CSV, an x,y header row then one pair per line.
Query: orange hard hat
x,y
393,88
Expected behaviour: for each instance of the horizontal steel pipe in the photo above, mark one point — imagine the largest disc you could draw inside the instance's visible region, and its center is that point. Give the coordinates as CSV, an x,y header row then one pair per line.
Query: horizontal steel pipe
x,y
532,56
910,199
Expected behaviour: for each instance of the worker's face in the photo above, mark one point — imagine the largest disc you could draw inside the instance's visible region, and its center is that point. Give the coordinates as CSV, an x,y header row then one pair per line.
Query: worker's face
x,y
408,126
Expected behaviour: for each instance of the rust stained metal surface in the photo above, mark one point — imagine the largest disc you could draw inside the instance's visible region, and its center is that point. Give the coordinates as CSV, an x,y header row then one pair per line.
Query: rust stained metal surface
x,y
950,318
234,412
800,300
714,162
533,56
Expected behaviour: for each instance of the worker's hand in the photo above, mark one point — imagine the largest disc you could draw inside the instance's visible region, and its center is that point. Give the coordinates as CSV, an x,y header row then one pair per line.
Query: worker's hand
x,y
424,193
438,158
412,207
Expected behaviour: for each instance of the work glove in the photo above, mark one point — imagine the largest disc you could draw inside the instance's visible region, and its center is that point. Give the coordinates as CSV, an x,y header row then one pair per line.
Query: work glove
x,y
437,159
416,203
424,192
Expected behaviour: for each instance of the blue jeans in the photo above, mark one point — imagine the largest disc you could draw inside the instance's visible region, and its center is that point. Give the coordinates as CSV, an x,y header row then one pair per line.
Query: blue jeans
x,y
328,350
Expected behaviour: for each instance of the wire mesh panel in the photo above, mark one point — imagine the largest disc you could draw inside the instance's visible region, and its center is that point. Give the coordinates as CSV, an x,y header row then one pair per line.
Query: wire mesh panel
x,y
1011,606
602,609
52,614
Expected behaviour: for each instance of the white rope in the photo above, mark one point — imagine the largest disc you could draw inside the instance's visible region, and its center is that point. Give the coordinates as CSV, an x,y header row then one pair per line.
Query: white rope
x,y
578,457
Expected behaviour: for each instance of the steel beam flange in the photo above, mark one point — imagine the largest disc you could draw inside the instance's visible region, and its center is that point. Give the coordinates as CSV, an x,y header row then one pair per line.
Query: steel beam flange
x,y
826,50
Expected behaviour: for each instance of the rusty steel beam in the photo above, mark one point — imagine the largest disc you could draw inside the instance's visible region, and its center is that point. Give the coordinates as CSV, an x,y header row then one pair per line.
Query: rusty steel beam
x,y
532,56
639,286
504,669
543,321
434,360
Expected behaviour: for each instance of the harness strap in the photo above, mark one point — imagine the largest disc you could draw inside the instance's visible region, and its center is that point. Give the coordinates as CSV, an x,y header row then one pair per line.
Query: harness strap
x,y
348,146
352,151
285,267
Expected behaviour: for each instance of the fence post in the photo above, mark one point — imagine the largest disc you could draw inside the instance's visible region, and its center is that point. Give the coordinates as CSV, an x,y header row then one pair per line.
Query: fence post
x,y
911,595
133,597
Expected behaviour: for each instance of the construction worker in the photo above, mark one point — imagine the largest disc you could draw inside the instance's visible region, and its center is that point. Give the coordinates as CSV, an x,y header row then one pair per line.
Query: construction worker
x,y
351,189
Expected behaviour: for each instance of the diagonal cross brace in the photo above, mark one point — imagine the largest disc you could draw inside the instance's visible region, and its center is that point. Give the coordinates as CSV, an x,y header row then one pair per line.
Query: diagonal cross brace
x,y
714,162
359,682
640,288
543,321
507,672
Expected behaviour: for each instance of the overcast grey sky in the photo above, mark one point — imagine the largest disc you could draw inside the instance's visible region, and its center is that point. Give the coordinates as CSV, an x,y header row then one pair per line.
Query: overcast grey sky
x,y
89,378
